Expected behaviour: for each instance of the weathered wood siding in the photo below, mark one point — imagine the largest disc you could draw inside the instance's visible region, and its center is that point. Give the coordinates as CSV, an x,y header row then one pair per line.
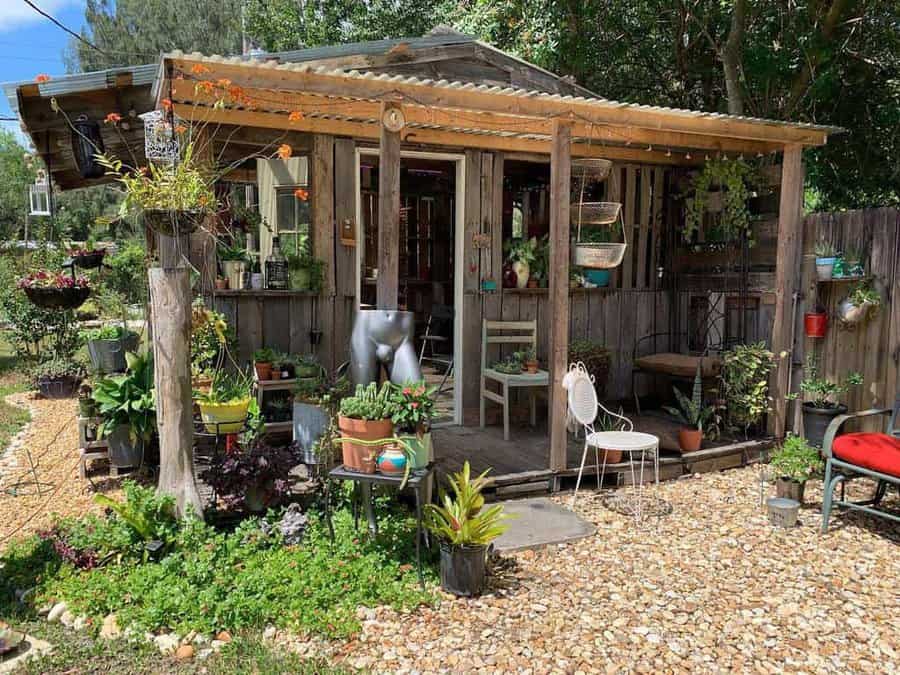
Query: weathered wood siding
x,y
871,348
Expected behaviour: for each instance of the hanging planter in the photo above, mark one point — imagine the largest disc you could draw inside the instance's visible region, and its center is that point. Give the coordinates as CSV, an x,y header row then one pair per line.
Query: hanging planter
x,y
855,308
87,258
55,291
172,223
815,324
87,143
598,254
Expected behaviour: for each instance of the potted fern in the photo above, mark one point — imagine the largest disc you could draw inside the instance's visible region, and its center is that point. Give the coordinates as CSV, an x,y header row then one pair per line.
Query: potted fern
x,y
465,530
696,418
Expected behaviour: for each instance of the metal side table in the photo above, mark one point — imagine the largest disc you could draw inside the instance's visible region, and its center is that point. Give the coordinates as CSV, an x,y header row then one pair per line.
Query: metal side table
x,y
362,491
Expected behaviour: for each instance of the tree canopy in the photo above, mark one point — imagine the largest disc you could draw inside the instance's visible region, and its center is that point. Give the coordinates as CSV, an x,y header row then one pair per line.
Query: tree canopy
x,y
16,174
825,61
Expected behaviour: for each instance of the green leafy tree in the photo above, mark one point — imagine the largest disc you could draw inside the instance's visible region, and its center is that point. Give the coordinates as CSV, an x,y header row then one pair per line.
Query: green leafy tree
x,y
16,174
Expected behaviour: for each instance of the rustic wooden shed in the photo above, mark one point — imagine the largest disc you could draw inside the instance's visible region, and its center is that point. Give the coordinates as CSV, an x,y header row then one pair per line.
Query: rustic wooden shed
x,y
491,125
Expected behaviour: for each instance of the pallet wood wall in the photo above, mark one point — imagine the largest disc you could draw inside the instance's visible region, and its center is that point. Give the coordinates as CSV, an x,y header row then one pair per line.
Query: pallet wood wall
x,y
871,348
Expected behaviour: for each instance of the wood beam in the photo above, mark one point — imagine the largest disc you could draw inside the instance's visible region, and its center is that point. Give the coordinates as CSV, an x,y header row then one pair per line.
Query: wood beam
x,y
560,178
472,98
457,139
267,100
788,264
388,284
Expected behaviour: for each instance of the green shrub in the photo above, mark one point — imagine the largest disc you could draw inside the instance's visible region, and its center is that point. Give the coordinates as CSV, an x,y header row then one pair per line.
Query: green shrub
x,y
127,273
796,459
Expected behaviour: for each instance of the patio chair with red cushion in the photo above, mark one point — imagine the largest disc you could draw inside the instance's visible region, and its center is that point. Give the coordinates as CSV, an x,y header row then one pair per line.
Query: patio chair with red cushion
x,y
871,454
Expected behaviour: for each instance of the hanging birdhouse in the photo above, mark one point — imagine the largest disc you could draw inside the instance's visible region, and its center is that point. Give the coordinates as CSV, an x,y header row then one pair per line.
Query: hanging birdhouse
x,y
39,195
86,144
160,139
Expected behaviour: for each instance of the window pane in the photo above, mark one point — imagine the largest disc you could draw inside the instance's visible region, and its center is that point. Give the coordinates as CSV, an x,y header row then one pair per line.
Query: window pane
x,y
284,210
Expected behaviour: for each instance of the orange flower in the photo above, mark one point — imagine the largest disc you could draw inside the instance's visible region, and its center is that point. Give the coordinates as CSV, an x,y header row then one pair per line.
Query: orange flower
x,y
113,118
295,116
43,77
224,83
180,129
167,103
301,194
199,69
235,92
206,87
284,151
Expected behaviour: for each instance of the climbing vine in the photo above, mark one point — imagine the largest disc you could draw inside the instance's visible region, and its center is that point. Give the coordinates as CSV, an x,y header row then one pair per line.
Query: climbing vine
x,y
733,178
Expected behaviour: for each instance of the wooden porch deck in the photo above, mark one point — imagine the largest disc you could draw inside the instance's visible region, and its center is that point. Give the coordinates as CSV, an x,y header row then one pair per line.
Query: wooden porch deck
x,y
521,464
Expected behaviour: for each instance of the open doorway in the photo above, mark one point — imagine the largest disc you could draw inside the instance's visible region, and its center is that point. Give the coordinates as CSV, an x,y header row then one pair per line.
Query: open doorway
x,y
429,248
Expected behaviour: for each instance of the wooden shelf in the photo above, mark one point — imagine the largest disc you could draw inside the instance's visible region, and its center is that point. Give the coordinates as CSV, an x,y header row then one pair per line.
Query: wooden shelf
x,y
263,293
837,280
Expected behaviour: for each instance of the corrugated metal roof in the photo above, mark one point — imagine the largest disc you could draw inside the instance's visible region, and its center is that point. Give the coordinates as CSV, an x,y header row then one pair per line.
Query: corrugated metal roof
x,y
268,62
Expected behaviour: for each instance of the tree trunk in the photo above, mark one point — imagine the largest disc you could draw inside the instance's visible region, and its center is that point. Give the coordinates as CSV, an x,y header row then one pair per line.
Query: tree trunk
x,y
170,300
731,58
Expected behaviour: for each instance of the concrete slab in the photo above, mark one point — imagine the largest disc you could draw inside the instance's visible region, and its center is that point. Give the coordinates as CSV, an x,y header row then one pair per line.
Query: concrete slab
x,y
30,648
540,522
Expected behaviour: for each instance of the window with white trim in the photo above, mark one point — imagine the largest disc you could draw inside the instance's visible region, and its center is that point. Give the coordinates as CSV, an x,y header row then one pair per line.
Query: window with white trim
x,y
292,223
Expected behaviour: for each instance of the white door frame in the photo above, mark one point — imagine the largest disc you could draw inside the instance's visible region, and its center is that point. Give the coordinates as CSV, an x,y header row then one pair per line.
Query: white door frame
x,y
458,271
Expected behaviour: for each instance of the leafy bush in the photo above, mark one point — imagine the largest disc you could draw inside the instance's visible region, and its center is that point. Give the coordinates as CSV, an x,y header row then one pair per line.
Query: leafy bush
x,y
745,383
129,399
796,459
107,332
127,272
212,580
254,476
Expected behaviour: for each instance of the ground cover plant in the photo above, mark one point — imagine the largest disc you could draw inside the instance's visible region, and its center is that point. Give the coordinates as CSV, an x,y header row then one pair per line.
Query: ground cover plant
x,y
158,574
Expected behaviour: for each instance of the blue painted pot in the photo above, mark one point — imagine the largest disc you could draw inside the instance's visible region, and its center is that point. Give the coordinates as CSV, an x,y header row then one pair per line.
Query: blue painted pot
x,y
598,277
392,462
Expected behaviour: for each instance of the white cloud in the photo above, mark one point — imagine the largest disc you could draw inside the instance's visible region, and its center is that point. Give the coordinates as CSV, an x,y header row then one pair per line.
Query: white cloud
x,y
15,13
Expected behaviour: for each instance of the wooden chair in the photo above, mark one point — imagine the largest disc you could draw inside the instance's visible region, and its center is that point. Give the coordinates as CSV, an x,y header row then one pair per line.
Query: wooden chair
x,y
508,333
874,455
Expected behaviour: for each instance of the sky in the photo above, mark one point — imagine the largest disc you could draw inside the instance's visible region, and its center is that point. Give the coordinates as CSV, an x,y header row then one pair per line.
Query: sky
x,y
31,45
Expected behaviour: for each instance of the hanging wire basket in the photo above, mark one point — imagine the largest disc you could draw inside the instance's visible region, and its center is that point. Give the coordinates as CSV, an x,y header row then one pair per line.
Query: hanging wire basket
x,y
598,255
595,213
591,170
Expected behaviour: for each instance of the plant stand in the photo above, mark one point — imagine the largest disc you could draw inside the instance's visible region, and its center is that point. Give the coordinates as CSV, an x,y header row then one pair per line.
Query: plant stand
x,y
362,491
91,446
261,387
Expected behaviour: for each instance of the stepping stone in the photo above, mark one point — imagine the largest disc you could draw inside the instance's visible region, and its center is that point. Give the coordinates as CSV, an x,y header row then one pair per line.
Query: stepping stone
x,y
540,522
30,648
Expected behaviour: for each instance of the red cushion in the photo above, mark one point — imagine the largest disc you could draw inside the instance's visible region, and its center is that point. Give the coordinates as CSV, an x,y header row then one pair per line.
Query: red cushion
x,y
878,452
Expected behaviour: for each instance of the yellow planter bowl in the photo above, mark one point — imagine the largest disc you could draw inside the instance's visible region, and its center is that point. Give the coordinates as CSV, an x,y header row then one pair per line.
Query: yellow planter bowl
x,y
224,418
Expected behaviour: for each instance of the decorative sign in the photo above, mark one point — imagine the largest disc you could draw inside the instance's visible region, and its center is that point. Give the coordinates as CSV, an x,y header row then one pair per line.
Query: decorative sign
x,y
393,119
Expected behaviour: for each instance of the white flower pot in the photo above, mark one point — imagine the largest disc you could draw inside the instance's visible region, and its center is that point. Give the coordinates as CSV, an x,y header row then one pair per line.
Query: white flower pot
x,y
523,271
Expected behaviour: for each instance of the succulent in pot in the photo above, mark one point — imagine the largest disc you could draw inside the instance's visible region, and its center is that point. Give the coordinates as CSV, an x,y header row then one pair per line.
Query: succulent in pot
x,y
366,417
107,346
825,260
234,261
821,405
859,305
53,290
225,407
58,376
127,408
263,359
306,272
528,359
792,464
699,421
465,529
511,365
413,410
307,366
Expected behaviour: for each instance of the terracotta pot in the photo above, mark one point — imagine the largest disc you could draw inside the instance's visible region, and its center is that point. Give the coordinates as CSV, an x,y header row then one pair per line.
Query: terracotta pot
x,y
361,457
532,282
689,440
815,324
612,456
221,284
531,366
263,370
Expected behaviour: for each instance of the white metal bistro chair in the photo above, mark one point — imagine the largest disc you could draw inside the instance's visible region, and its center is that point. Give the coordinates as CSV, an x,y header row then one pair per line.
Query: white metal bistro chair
x,y
583,407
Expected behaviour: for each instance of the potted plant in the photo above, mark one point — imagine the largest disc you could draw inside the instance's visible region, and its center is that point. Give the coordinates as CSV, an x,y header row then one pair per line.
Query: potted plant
x,y
511,365
697,419
234,262
87,407
210,337
88,256
127,409
224,408
793,463
465,529
521,253
722,187
365,416
306,272
58,376
853,263
307,366
221,284
745,384
825,259
857,306
595,357
528,359
821,406
279,410
283,367
172,197
607,422
107,345
262,362
315,403
540,268
52,290
413,409
815,323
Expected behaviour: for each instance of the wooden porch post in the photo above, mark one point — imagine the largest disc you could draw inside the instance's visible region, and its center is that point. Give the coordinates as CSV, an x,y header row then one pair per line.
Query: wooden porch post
x,y
788,265
388,214
560,174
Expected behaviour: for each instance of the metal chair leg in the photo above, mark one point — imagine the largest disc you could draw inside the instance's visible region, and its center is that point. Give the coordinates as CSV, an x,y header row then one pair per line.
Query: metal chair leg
x,y
580,471
597,464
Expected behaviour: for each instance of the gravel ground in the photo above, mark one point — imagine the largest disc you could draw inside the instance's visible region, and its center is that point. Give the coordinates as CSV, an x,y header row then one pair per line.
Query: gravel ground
x,y
710,587
52,437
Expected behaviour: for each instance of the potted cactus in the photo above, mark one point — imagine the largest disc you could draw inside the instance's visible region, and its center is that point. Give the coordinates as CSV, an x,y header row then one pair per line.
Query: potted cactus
x,y
365,416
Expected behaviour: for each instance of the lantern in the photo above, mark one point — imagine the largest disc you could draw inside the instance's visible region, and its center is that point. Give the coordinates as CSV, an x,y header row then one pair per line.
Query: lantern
x,y
86,143
39,195
160,139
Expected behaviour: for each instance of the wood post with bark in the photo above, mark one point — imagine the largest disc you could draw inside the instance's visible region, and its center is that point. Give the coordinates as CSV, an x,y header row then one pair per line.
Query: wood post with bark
x,y
170,311
388,283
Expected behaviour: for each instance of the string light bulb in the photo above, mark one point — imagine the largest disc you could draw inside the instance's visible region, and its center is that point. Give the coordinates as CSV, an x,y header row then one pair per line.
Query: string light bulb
x,y
668,153
649,148
687,155
706,157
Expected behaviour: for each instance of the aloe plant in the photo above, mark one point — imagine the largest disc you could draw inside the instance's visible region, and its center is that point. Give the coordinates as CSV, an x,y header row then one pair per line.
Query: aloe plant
x,y
462,520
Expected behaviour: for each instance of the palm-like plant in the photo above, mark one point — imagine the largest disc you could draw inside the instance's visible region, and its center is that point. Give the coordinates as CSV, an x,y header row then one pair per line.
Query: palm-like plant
x,y
463,521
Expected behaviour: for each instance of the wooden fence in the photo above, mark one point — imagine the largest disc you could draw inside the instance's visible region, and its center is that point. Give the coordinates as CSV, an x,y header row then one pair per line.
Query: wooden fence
x,y
871,348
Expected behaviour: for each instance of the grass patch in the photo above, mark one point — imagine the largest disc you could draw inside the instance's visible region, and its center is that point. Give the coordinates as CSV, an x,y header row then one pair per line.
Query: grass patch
x,y
211,580
12,380
79,652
